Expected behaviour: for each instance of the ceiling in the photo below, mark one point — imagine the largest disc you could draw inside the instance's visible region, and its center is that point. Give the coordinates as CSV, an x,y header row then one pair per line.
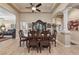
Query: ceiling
x,y
4,12
74,5
6,15
45,7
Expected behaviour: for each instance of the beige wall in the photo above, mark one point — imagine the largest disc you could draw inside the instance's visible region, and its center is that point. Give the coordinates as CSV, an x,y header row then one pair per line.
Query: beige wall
x,y
75,37
60,38
32,17
74,14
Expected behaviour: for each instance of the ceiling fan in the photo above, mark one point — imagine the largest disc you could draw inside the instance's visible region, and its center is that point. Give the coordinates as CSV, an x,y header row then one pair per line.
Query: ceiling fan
x,y
34,8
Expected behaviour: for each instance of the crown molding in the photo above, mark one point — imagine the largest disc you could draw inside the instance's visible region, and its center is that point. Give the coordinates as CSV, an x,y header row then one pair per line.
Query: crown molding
x,y
13,6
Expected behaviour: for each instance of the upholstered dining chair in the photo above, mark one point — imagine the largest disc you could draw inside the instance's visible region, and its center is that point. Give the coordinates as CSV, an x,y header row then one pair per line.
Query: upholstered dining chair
x,y
53,37
22,37
32,42
45,42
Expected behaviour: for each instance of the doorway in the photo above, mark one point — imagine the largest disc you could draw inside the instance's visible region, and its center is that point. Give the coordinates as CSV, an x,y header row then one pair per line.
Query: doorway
x,y
7,25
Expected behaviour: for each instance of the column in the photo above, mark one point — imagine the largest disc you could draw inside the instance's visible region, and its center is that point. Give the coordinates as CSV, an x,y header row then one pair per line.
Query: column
x,y
52,22
17,26
65,28
65,20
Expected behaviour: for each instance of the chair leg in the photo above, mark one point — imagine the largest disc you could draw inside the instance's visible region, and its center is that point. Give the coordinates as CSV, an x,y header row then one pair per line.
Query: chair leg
x,y
55,43
20,43
28,49
26,43
40,49
23,42
37,49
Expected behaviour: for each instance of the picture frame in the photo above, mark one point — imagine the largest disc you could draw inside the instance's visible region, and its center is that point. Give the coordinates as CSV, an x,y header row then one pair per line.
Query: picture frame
x,y
29,25
48,25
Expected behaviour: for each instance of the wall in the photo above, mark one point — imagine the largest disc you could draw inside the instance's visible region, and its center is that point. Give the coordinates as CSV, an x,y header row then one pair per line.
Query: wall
x,y
32,17
60,38
74,15
75,37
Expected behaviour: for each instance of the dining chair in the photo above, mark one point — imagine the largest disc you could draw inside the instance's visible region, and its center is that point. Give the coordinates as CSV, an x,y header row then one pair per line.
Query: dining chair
x,y
32,42
22,37
45,42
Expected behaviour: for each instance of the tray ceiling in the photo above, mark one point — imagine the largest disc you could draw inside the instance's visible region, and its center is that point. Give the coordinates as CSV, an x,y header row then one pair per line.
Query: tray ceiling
x,y
45,7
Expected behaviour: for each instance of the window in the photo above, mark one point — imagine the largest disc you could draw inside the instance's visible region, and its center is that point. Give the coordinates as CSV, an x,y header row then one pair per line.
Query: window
x,y
24,27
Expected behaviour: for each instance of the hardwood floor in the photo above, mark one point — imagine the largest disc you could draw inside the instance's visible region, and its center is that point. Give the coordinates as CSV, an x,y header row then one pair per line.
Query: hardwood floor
x,y
11,47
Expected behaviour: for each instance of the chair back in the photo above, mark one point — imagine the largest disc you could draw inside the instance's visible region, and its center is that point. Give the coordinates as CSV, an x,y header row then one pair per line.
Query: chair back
x,y
45,35
21,33
32,35
54,34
